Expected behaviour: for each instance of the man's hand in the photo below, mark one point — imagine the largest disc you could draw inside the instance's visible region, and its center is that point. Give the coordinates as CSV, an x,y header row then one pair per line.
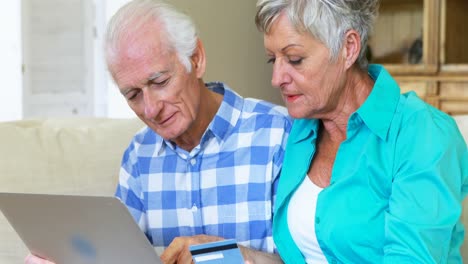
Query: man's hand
x,y
31,259
178,251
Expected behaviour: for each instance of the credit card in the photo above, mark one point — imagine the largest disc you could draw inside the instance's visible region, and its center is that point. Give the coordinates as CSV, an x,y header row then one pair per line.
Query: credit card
x,y
219,252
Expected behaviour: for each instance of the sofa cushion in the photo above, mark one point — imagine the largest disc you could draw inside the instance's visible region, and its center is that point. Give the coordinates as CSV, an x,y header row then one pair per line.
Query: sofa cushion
x,y
72,156
59,156
462,122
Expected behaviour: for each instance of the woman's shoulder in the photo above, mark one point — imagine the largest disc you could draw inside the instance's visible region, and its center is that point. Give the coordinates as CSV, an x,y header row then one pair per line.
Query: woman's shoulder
x,y
421,118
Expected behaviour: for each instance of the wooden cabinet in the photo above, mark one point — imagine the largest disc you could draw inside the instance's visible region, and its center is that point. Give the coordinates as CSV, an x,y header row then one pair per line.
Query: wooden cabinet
x,y
424,45
454,37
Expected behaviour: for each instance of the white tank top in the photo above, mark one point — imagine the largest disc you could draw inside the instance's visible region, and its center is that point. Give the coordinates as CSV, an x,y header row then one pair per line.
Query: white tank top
x,y
301,221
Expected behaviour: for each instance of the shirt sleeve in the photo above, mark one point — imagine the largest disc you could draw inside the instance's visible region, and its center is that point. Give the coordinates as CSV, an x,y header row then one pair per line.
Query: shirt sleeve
x,y
278,157
421,225
129,189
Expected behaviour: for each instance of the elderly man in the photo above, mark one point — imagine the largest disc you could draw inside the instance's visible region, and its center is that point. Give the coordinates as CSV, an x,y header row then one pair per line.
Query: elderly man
x,y
206,165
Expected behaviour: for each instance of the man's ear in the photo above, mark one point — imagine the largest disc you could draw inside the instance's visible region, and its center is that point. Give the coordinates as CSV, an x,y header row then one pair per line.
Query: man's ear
x,y
198,60
351,47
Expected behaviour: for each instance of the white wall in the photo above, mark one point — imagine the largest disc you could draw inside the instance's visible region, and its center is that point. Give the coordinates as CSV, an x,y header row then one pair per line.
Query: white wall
x,y
234,49
117,106
11,89
10,61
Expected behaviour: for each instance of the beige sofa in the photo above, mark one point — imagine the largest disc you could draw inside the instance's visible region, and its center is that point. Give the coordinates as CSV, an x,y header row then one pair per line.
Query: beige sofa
x,y
60,156
71,156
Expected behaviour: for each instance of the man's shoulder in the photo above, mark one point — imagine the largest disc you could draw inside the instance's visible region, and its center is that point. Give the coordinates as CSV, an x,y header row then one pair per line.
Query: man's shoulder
x,y
247,105
258,106
146,136
257,114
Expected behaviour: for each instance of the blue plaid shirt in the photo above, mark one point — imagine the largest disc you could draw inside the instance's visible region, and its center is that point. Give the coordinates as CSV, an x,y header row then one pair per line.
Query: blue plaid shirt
x,y
223,187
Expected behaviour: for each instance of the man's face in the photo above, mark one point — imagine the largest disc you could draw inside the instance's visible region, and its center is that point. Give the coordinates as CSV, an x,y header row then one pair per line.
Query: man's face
x,y
156,85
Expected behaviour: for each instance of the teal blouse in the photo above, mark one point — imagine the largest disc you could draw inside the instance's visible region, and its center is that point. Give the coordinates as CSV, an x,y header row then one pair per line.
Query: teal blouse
x,y
396,186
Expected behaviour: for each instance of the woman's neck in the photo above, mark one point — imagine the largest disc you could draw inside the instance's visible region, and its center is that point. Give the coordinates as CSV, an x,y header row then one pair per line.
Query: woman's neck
x,y
358,87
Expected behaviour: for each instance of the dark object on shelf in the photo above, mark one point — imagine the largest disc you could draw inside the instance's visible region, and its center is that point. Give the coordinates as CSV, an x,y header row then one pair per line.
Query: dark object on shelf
x,y
368,53
416,51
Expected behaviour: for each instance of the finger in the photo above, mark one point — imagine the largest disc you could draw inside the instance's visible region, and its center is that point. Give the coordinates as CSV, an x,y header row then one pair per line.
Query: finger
x,y
31,259
200,239
185,257
27,259
171,254
178,251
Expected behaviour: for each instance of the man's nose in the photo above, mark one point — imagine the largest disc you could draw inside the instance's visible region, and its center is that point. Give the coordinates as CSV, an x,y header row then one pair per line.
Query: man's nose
x,y
153,105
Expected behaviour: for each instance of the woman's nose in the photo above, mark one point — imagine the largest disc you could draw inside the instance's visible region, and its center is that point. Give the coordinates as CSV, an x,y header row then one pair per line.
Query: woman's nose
x,y
279,76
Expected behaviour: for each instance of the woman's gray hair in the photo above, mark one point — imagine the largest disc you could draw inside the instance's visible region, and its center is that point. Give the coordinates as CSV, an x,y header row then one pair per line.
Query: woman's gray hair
x,y
326,20
179,28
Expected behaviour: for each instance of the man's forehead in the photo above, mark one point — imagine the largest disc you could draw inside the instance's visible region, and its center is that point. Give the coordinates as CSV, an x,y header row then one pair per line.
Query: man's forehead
x,y
144,47
150,60
156,75
143,40
132,73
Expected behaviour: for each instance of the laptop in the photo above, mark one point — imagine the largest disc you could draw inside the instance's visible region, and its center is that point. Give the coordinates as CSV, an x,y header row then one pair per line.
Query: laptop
x,y
77,229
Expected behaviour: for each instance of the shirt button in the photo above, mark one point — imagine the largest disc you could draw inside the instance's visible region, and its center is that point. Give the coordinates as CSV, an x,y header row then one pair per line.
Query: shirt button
x,y
193,161
317,220
194,208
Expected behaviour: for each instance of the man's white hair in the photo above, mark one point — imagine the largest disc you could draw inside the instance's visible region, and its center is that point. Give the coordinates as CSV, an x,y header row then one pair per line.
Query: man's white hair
x,y
179,28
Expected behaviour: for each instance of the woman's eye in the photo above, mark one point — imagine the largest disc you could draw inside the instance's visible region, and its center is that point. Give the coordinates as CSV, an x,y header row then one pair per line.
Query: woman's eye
x,y
295,61
271,61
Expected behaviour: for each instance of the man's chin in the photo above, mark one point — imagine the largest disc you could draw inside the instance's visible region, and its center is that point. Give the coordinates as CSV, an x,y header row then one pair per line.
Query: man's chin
x,y
169,135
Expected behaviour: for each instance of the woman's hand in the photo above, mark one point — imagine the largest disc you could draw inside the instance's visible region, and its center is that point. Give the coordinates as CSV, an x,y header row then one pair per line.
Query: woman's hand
x,y
252,256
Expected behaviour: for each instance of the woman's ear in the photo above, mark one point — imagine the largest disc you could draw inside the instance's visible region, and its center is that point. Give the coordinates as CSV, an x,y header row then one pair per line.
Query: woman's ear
x,y
198,60
351,47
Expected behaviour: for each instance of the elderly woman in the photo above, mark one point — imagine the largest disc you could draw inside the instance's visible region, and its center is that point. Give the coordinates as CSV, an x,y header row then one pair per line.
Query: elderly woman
x,y
370,175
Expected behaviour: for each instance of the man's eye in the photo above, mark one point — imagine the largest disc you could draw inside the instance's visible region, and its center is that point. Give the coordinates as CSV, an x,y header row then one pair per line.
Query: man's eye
x,y
161,83
271,61
132,96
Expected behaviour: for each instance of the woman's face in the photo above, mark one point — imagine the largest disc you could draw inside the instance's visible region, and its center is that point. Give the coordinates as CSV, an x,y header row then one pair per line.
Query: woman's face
x,y
310,84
